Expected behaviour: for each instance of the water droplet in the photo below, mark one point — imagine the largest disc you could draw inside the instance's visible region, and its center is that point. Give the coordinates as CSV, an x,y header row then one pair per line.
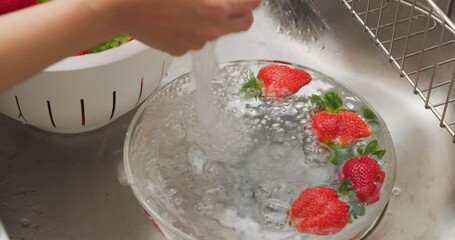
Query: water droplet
x,y
36,226
203,209
274,212
349,105
178,200
321,46
316,154
396,191
37,209
25,222
299,105
171,192
21,190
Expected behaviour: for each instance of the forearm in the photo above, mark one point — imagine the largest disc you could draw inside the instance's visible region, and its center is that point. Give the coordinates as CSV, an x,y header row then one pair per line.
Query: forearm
x,y
39,36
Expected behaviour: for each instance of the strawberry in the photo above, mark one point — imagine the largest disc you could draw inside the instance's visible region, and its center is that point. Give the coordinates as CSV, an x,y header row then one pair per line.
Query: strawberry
x,y
7,6
333,124
319,211
364,176
276,81
81,53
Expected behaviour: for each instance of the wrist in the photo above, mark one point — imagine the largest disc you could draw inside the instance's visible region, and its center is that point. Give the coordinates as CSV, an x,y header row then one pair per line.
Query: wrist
x,y
106,13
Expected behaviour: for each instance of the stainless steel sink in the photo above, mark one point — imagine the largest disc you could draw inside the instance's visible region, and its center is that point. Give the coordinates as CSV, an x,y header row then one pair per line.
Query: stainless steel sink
x,y
67,187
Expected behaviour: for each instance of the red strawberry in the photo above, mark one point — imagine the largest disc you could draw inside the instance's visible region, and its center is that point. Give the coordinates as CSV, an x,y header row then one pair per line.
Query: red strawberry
x,y
341,128
333,123
7,6
319,211
81,53
276,81
281,81
366,178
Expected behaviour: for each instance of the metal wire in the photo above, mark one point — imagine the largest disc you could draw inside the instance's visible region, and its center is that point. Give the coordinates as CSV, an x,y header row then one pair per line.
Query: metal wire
x,y
434,38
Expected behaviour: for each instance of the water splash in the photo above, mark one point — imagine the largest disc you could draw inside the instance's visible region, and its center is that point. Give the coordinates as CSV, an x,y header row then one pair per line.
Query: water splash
x,y
205,67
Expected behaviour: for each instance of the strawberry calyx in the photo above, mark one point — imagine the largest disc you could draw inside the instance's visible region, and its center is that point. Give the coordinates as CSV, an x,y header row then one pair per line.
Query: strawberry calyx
x,y
371,149
356,208
341,154
252,88
369,115
330,102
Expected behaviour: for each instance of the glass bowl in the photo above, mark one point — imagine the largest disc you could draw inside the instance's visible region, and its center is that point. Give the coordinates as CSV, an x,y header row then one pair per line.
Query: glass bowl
x,y
236,178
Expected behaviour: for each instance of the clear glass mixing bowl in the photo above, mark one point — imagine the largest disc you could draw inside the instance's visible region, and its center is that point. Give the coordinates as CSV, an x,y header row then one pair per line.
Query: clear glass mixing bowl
x,y
172,183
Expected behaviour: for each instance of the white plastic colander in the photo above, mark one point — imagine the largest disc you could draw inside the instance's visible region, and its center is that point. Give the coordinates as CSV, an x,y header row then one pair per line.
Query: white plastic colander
x,y
83,93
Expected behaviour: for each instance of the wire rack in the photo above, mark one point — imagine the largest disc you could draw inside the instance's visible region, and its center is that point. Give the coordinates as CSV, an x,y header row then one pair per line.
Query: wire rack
x,y
419,40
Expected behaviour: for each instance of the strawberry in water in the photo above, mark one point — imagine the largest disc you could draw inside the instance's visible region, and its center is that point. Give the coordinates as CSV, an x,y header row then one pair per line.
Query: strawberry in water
x,y
333,124
366,178
318,211
7,6
363,174
276,81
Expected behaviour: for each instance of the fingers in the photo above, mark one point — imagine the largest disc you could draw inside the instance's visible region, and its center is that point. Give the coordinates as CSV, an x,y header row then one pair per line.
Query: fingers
x,y
222,10
212,31
241,7
239,23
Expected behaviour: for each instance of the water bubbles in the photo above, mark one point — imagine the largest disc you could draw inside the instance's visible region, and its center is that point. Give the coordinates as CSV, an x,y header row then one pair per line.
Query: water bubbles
x,y
171,192
374,126
217,194
203,209
38,209
36,226
178,200
316,153
396,191
25,222
260,194
349,106
276,125
299,105
209,200
274,212
197,159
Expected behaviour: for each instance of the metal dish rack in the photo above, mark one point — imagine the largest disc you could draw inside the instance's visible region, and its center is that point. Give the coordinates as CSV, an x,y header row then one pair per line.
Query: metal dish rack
x,y
419,40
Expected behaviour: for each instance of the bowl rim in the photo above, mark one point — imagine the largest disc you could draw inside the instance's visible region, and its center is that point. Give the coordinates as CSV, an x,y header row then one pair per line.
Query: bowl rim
x,y
109,56
129,133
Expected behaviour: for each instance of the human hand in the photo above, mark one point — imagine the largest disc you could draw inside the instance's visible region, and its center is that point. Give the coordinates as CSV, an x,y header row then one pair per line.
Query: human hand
x,y
177,26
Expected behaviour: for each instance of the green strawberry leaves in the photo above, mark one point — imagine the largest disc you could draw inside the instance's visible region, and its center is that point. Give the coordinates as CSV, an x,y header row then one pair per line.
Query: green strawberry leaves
x,y
331,102
252,88
356,208
371,149
345,188
334,101
341,154
369,115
